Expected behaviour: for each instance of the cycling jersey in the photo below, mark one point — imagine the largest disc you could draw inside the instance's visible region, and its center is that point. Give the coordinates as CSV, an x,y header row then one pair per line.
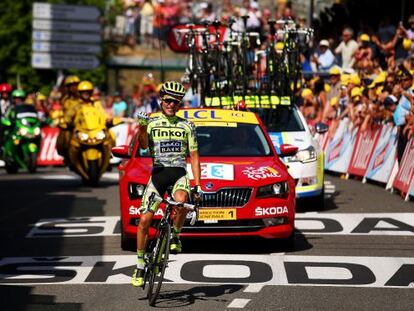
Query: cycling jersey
x,y
170,140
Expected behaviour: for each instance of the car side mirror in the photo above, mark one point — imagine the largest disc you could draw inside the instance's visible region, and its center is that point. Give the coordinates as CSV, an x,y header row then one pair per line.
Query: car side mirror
x,y
288,150
121,152
321,127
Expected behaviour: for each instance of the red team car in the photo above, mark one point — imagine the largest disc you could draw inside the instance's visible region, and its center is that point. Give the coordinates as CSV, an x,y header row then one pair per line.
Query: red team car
x,y
247,190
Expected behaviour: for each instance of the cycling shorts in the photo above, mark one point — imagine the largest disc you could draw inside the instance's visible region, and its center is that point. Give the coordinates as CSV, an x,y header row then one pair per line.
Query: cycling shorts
x,y
161,179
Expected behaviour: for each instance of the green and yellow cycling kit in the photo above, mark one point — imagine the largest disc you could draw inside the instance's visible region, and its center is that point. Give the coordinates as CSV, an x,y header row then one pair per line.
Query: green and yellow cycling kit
x,y
170,140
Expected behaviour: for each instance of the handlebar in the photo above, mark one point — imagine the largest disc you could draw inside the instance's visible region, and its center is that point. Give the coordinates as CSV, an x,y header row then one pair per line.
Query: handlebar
x,y
189,206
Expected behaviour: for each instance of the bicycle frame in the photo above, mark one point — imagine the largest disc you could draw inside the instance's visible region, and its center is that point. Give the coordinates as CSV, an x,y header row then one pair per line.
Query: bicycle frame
x,y
157,261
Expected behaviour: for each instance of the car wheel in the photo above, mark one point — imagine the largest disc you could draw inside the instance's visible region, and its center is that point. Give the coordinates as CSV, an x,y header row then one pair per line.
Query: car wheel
x,y
127,244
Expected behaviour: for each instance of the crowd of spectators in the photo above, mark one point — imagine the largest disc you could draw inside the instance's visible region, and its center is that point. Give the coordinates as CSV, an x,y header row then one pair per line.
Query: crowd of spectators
x,y
368,80
147,22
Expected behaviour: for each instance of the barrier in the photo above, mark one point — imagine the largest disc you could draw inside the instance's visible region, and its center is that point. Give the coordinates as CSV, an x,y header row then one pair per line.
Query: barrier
x,y
405,174
47,152
384,156
364,148
340,148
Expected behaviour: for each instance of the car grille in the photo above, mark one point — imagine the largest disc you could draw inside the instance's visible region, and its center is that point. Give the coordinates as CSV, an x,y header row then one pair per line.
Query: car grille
x,y
226,197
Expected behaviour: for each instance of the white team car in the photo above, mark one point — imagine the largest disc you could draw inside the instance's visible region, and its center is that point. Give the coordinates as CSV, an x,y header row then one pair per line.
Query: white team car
x,y
286,125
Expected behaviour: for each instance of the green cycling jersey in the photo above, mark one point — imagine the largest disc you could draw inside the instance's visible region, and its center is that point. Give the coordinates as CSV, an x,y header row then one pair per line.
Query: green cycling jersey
x,y
170,140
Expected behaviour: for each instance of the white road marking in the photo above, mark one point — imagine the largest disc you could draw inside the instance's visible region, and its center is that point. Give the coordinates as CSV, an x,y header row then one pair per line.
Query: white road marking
x,y
58,177
397,224
108,175
253,288
292,270
238,303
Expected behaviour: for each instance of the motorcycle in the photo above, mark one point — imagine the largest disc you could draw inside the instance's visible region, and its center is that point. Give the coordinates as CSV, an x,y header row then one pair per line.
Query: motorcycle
x,y
22,140
90,145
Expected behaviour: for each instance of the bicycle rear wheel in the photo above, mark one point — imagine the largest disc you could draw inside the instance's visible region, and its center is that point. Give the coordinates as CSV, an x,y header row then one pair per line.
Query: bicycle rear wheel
x,y
159,260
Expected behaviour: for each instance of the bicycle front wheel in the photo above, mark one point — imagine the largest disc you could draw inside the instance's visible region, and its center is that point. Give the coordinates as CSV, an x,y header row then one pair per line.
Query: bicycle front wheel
x,y
159,261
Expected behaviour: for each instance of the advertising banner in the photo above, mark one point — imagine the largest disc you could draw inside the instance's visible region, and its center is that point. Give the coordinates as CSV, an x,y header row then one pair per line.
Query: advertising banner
x,y
365,144
339,150
405,174
47,153
384,156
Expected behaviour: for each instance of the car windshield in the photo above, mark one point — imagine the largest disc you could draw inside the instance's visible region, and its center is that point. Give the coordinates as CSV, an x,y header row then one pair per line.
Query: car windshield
x,y
240,140
243,140
281,119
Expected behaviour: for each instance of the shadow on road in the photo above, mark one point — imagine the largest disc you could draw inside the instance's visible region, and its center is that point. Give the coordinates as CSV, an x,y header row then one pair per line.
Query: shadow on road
x,y
182,298
24,200
19,298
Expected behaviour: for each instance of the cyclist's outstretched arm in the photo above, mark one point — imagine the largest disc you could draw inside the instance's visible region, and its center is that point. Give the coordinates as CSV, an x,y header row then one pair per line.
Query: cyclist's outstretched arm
x,y
195,166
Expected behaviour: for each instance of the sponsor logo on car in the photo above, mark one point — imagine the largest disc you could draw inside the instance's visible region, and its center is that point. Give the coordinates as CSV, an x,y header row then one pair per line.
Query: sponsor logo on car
x,y
133,210
268,211
263,172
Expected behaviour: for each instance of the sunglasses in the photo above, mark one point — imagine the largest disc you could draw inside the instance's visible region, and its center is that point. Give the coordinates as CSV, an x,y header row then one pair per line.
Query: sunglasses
x,y
172,101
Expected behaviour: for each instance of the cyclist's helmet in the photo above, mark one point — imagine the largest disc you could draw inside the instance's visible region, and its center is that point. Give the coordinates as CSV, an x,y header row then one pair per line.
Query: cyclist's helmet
x,y
19,93
72,80
85,86
241,105
172,89
5,88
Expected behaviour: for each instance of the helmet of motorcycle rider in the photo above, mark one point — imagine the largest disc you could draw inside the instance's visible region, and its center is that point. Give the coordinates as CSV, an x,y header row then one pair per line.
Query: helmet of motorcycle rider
x,y
19,94
72,80
85,86
5,88
172,89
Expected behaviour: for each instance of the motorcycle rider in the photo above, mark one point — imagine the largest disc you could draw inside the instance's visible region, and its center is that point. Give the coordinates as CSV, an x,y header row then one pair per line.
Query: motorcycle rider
x,y
169,166
5,90
85,89
70,100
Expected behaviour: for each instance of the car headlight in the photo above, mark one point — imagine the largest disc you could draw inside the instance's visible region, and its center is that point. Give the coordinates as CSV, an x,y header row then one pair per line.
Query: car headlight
x,y
83,136
23,131
280,190
36,131
100,135
135,191
304,156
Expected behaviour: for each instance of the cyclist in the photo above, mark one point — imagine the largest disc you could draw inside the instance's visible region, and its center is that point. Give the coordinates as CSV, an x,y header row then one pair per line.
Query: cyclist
x,y
69,101
169,139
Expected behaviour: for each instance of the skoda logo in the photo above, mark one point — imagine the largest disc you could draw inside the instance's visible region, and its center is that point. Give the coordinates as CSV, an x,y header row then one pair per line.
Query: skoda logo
x,y
209,185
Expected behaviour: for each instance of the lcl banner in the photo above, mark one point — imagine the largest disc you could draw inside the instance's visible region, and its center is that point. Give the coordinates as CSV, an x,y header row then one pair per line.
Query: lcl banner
x,y
384,156
339,150
405,174
47,153
364,147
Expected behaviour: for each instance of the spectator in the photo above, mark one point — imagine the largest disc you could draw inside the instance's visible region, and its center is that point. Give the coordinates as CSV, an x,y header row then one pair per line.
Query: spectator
x,y
147,16
334,82
363,54
119,106
347,48
325,60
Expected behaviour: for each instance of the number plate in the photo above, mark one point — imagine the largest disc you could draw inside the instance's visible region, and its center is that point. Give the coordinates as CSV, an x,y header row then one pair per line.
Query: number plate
x,y
217,214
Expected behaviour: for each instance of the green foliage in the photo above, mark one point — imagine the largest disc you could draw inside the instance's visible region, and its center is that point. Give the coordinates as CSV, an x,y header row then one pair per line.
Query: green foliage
x,y
15,47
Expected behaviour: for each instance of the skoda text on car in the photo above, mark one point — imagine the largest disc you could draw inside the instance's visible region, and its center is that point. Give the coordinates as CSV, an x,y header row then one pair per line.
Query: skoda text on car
x,y
286,125
247,190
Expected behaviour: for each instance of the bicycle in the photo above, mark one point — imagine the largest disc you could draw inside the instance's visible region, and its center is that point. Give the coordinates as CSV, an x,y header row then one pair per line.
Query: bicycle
x,y
157,260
